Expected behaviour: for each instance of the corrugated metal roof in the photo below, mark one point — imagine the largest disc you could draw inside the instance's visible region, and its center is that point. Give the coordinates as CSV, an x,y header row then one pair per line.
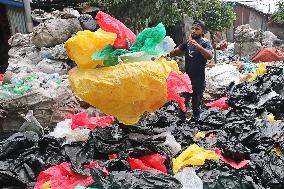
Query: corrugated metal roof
x,y
263,6
15,3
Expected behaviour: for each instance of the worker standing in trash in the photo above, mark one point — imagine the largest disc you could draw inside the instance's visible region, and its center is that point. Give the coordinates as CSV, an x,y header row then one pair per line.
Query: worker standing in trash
x,y
197,51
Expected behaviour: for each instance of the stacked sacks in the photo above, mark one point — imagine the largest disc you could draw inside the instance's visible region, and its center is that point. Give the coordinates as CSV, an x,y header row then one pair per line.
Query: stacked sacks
x,y
121,74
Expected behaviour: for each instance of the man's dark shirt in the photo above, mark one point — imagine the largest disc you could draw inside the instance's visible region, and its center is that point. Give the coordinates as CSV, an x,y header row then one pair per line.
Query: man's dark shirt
x,y
195,64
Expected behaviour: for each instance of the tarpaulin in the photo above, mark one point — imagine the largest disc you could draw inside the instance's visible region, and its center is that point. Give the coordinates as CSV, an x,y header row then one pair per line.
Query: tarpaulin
x,y
269,55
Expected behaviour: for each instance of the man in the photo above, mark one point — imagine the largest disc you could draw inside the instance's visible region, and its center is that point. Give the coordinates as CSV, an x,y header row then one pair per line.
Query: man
x,y
197,51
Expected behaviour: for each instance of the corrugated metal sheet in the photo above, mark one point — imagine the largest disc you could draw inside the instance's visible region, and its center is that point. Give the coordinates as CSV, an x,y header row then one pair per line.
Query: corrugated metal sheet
x,y
17,3
17,20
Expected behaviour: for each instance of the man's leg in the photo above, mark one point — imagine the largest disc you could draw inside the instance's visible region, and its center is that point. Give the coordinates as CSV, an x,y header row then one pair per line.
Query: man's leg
x,y
186,102
196,103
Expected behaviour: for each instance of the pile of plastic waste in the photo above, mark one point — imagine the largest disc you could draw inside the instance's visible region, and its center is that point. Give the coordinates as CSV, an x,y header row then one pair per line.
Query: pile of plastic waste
x,y
237,146
141,140
122,74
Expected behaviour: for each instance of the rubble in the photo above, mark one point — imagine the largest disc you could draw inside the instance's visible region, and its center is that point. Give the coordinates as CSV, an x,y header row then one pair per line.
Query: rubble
x,y
247,40
54,32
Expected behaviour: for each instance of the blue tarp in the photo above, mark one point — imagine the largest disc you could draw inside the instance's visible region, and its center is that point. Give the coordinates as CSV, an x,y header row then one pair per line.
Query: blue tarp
x,y
16,3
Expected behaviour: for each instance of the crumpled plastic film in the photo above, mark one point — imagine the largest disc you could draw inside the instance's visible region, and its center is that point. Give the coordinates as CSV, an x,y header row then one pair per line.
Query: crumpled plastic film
x,y
61,177
176,84
232,163
162,49
193,155
82,120
261,69
149,41
124,91
110,24
279,152
149,38
221,103
154,162
81,47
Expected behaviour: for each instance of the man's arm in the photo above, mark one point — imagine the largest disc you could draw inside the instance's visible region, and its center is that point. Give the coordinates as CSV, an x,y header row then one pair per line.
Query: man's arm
x,y
208,54
176,52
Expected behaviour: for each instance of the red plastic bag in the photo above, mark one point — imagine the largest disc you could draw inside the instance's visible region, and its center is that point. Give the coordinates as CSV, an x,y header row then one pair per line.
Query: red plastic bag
x,y
178,83
221,103
97,166
154,162
110,24
1,77
62,177
232,163
82,120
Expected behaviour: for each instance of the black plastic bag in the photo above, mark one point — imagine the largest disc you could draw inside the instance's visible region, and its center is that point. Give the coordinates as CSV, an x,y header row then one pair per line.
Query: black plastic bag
x,y
134,180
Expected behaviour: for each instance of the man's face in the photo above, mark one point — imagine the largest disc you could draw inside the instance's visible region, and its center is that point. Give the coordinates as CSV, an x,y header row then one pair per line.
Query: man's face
x,y
196,31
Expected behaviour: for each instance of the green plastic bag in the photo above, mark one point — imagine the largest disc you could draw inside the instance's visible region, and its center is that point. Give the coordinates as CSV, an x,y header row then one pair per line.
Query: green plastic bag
x,y
82,187
146,41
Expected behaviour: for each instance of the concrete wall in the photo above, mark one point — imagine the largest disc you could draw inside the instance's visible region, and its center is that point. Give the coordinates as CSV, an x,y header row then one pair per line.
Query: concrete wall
x,y
258,21
277,29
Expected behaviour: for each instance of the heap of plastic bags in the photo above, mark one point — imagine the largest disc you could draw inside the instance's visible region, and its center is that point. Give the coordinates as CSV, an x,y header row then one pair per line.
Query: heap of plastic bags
x,y
241,147
132,77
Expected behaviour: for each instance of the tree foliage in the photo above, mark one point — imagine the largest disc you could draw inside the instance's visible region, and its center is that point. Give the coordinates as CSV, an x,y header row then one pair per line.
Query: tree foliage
x,y
278,16
137,14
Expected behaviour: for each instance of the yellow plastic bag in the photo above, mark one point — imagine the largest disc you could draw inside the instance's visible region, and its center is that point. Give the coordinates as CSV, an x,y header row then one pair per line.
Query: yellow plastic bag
x,y
46,185
278,151
81,47
261,70
125,91
199,135
193,155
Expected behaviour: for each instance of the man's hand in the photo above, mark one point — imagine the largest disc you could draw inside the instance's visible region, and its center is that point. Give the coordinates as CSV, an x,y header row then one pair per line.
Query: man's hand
x,y
206,53
193,43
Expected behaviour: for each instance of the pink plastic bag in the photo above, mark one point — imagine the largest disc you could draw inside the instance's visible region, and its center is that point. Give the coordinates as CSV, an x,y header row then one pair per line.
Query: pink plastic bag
x,y
110,24
82,120
221,103
153,162
178,83
62,177
97,166
231,162
1,77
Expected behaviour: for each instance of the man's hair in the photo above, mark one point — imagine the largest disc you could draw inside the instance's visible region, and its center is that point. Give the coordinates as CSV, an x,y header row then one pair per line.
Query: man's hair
x,y
200,23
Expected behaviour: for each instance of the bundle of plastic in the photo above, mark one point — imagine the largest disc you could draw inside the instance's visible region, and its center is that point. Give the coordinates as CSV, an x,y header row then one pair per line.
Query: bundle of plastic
x,y
132,77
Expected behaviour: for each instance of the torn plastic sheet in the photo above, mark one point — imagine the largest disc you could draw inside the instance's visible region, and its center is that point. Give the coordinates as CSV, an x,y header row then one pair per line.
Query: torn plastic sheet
x,y
82,120
154,162
221,103
95,165
193,155
64,130
189,179
231,162
135,180
176,84
62,177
